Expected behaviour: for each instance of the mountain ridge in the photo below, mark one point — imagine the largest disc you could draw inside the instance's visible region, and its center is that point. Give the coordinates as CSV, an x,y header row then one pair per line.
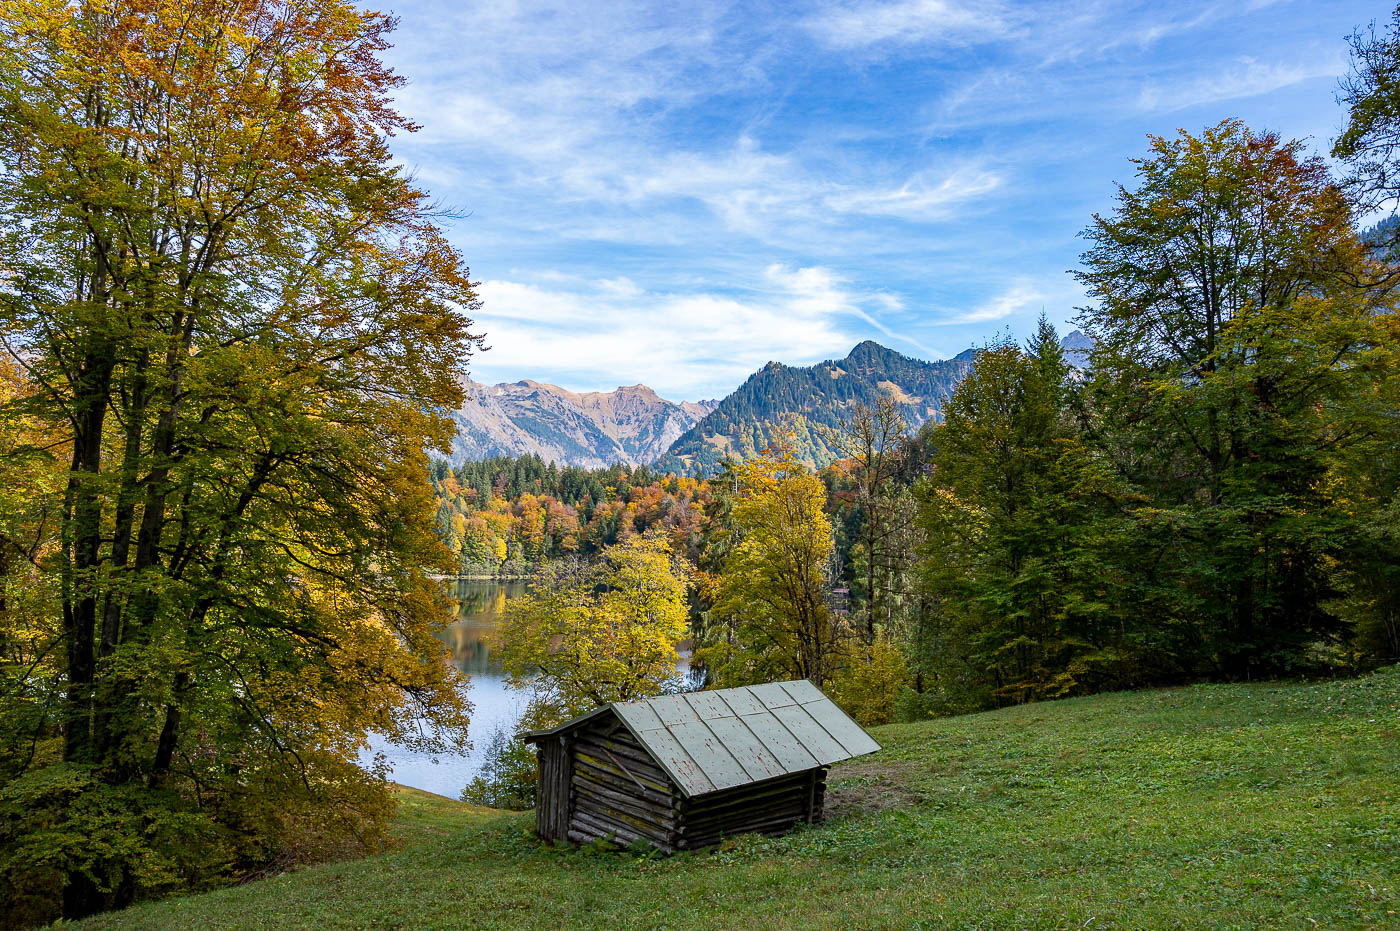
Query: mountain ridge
x,y
809,404
632,424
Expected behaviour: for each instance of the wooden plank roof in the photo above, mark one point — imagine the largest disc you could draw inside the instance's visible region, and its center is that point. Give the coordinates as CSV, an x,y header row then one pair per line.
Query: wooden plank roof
x,y
708,741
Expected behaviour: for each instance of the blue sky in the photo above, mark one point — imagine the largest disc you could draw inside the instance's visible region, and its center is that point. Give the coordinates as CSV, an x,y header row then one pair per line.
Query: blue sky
x,y
675,194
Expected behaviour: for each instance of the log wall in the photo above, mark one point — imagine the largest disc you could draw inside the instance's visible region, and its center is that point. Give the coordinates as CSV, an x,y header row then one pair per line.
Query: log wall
x,y
618,791
552,791
771,807
598,782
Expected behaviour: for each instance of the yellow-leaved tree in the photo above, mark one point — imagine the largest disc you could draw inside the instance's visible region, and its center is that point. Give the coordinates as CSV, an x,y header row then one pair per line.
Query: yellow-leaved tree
x,y
773,620
236,331
587,635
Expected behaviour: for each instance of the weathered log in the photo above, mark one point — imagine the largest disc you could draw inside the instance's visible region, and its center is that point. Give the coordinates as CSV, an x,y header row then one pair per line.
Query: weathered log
x,y
769,828
607,770
635,759
588,780
738,819
732,800
552,791
603,799
605,825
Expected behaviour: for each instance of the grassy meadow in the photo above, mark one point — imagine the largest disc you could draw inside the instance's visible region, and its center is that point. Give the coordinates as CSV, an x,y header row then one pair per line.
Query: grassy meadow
x,y
1224,806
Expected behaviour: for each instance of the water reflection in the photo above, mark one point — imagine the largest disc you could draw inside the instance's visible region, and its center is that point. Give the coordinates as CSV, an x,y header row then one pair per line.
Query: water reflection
x,y
471,643
479,611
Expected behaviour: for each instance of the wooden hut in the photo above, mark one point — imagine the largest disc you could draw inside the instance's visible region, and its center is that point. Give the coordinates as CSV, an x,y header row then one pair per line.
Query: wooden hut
x,y
680,772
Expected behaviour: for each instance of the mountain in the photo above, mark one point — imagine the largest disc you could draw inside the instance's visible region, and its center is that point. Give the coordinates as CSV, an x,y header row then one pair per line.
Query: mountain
x,y
813,402
632,424
1077,347
636,426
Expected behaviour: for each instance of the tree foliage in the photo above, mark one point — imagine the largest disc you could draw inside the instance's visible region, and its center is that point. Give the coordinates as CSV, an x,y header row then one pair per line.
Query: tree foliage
x,y
774,619
1235,319
869,681
508,777
873,442
1015,566
586,635
1370,141
504,515
237,329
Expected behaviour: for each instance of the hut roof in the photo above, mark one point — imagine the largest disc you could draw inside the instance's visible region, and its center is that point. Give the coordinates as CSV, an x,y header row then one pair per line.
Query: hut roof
x,y
708,741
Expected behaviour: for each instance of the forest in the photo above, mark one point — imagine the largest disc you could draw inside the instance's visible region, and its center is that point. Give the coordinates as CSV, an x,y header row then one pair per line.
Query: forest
x,y
234,332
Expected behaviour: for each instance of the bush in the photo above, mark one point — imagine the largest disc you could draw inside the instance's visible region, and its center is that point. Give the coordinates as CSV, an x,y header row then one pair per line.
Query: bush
x,y
867,684
508,775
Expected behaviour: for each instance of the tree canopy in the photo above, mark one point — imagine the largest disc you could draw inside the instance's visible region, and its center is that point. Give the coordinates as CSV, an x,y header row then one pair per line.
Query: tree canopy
x,y
235,329
587,635
1237,321
776,622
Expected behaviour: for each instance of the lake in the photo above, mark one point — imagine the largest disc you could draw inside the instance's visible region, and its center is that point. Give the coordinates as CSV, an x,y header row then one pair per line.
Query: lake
x,y
470,643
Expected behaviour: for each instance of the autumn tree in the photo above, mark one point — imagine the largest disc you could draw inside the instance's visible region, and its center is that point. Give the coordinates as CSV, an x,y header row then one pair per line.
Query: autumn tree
x,y
1368,481
774,621
589,634
239,328
873,441
1235,313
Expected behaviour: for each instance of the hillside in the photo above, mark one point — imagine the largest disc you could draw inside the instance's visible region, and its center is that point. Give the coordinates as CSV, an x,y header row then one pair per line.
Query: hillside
x,y
812,401
1260,805
632,424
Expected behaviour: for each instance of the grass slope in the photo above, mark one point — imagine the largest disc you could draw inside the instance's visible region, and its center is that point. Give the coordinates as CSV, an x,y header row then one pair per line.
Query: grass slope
x,y
1211,806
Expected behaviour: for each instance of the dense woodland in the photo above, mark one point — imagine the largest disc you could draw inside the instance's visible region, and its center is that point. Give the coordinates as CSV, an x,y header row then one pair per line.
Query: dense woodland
x,y
231,330
503,516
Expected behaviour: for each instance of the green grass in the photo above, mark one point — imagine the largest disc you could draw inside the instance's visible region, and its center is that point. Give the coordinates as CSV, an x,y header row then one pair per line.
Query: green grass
x,y
1252,806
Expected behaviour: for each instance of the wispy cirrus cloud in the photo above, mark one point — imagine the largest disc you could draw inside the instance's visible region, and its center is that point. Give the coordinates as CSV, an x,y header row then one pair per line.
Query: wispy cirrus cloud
x,y
1018,299
921,197
1246,77
910,22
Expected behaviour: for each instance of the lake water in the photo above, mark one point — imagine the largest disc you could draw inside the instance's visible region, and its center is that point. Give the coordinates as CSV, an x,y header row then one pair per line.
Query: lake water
x,y
470,641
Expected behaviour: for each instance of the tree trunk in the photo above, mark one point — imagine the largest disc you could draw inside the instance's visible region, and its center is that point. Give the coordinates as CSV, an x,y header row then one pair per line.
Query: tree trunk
x,y
80,609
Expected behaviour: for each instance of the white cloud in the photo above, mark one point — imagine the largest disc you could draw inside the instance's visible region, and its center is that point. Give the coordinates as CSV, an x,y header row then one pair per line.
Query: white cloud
x,y
1153,32
1246,78
575,141
684,345
619,159
910,22
1018,298
919,198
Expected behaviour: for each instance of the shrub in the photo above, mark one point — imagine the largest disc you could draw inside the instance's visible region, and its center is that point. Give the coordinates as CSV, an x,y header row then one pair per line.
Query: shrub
x,y
508,775
867,684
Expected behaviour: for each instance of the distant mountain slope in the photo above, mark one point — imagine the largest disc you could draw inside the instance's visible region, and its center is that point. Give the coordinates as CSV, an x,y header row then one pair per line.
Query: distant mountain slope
x,y
812,401
1077,347
635,426
632,424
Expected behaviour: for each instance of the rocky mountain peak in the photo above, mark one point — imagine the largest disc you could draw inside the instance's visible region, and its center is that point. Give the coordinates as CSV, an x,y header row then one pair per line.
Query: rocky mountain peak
x,y
631,424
